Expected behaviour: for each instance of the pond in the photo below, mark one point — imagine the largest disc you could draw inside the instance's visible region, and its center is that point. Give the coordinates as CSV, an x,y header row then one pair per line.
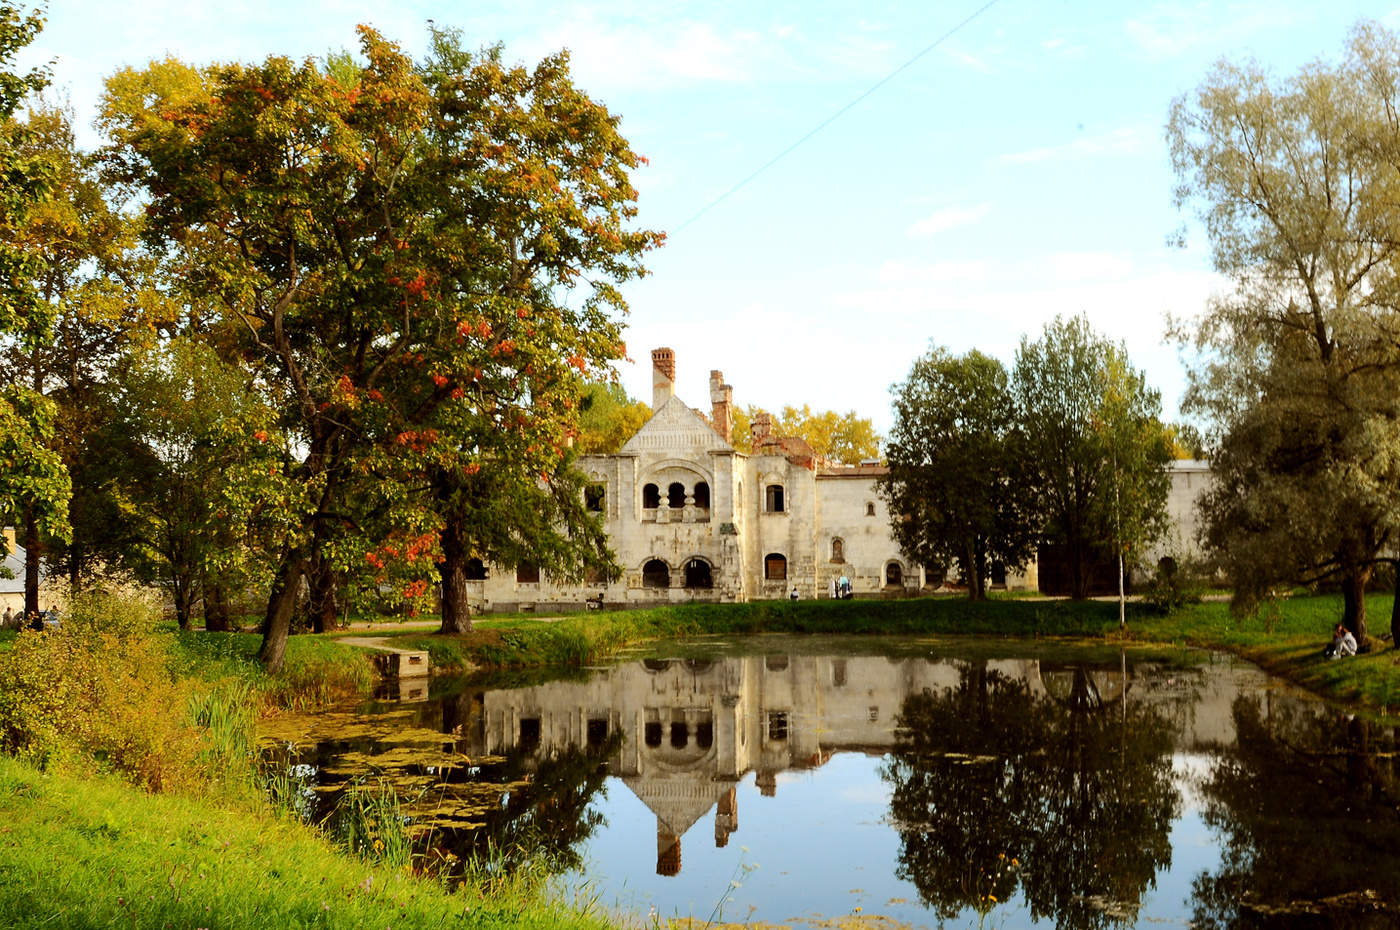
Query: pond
x,y
918,782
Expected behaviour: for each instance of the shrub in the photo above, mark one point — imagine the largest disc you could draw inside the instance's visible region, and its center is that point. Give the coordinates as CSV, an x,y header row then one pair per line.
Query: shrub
x,y
100,691
1175,583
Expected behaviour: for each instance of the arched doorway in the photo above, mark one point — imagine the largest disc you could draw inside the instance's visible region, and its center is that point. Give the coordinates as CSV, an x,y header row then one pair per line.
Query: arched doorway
x,y
894,575
656,574
698,574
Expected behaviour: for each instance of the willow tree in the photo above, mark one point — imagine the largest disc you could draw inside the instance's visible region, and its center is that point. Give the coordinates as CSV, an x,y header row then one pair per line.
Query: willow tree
x,y
391,249
1296,180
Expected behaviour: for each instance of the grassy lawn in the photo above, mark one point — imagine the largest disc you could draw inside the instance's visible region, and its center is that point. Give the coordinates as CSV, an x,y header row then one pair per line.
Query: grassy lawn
x,y
89,851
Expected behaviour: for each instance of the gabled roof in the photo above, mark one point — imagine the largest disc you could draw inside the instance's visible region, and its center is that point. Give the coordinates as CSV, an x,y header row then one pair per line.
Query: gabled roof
x,y
677,430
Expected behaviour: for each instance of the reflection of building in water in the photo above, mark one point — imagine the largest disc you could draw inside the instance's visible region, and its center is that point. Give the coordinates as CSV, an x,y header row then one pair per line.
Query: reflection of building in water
x,y
693,728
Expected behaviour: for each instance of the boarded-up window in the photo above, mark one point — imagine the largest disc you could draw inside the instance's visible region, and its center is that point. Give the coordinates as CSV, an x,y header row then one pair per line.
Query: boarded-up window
x,y
774,567
773,499
527,573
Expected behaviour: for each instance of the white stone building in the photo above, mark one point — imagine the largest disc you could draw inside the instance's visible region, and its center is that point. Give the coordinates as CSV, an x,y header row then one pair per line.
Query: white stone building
x,y
693,519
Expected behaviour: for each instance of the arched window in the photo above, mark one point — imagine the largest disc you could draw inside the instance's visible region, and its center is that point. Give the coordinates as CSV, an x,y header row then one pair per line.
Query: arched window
x,y
838,549
593,497
698,574
775,567
773,499
527,573
651,497
475,570
702,495
675,495
870,508
656,574
894,575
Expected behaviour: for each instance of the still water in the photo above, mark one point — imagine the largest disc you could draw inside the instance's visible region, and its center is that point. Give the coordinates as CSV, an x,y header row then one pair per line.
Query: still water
x,y
929,782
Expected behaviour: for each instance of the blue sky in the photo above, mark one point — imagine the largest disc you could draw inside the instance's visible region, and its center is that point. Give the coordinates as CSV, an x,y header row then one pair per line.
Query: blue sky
x,y
1016,171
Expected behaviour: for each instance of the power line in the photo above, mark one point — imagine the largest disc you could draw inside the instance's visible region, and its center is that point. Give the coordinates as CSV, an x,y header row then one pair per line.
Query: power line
x,y
837,115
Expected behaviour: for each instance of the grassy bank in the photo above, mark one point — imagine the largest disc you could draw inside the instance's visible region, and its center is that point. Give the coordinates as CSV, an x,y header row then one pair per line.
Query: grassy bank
x,y
1286,638
91,852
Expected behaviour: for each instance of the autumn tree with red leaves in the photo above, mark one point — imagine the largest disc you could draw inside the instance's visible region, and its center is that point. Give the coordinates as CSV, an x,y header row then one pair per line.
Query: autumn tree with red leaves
x,y
421,263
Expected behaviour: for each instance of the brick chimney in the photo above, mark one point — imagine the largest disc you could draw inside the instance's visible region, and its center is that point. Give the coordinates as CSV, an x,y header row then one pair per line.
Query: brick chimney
x,y
760,429
663,377
721,406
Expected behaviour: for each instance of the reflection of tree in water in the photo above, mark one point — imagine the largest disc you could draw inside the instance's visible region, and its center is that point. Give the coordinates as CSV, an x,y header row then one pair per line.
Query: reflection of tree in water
x,y
1083,798
1307,806
459,803
541,815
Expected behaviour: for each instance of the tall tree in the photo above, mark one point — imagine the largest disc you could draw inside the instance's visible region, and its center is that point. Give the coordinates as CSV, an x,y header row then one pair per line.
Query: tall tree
x,y
1093,432
958,484
84,244
1295,180
400,249
34,486
206,442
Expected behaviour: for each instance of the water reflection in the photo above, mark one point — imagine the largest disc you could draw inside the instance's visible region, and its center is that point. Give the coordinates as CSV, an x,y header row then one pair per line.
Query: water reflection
x,y
1069,799
1308,815
1048,789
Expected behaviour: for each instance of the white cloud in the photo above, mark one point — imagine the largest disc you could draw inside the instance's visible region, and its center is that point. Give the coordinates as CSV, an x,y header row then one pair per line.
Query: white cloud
x,y
1171,29
1124,141
948,218
617,55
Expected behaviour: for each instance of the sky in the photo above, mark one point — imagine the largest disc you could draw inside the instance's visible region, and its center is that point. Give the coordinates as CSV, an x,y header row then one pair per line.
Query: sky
x,y
1014,171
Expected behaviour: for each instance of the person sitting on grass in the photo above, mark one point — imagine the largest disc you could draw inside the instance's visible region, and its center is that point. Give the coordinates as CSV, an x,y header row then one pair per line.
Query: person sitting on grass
x,y
1343,643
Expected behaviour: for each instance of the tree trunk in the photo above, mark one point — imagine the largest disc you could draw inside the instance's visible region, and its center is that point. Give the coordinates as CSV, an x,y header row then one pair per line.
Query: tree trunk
x,y
972,570
1354,602
456,611
277,624
217,616
324,616
180,590
1078,583
31,567
1395,611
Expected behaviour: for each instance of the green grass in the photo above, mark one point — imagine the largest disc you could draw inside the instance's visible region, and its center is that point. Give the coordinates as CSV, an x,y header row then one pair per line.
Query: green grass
x,y
317,670
91,852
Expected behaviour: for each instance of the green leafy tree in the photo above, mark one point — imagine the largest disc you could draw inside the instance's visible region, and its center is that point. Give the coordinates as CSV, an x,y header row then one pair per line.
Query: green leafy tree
x,y
958,485
208,452
608,418
1092,431
34,486
418,261
84,245
842,438
1294,179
